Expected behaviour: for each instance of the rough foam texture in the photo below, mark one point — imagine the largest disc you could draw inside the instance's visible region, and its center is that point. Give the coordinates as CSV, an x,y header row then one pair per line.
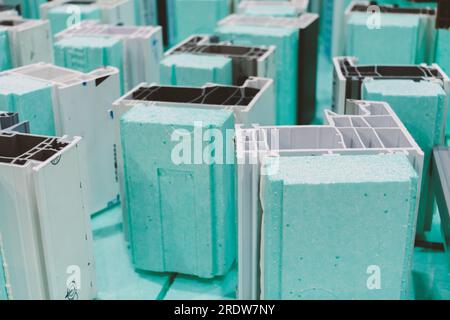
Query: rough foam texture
x,y
5,57
443,50
195,70
86,54
197,17
421,107
182,217
443,60
28,8
286,56
32,99
3,291
396,42
60,16
329,219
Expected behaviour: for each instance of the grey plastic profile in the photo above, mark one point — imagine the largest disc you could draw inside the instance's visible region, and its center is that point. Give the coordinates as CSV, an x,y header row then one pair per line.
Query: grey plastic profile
x,y
44,225
9,121
441,189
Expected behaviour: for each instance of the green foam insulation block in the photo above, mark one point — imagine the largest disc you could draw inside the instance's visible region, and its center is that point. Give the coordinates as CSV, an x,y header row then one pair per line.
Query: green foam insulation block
x,y
271,11
3,292
197,17
182,210
31,8
192,288
408,3
421,106
399,40
443,50
5,56
116,277
32,99
443,60
61,17
88,53
286,56
356,242
195,70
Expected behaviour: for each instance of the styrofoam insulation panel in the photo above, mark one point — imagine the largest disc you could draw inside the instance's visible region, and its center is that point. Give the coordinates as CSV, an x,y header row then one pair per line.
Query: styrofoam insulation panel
x,y
260,110
424,33
366,128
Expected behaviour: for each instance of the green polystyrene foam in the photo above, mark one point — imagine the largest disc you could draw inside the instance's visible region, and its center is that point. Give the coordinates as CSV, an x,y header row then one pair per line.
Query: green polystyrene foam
x,y
3,292
421,107
430,272
197,16
28,8
286,56
61,17
271,10
182,216
32,99
192,288
187,69
397,41
88,53
409,4
329,220
5,56
443,59
443,50
116,277
31,8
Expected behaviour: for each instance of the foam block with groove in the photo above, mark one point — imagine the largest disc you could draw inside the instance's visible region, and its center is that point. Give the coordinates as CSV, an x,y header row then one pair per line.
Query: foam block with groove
x,y
195,70
397,41
421,107
332,222
5,56
88,53
32,99
286,56
182,216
